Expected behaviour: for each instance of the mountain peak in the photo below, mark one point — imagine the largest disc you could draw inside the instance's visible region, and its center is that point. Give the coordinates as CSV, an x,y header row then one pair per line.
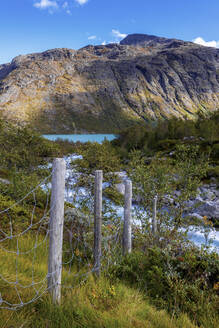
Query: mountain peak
x,y
136,38
107,88
145,40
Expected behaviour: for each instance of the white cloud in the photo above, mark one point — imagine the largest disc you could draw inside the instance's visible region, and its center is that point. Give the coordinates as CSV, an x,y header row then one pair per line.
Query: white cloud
x,y
202,42
52,5
46,4
103,43
118,35
65,5
81,2
92,37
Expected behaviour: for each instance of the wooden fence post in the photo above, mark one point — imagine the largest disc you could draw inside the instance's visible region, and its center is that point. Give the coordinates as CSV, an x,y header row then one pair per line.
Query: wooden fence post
x,y
127,227
154,219
56,229
97,220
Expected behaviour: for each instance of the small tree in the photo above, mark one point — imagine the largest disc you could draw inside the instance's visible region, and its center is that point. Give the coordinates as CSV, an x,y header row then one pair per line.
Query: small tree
x,y
174,182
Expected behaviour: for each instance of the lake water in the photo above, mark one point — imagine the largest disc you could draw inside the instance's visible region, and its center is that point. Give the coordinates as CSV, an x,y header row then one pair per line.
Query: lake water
x,y
81,137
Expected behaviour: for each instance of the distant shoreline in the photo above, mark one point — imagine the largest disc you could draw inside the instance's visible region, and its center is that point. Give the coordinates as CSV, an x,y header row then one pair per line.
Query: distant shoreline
x,y
80,137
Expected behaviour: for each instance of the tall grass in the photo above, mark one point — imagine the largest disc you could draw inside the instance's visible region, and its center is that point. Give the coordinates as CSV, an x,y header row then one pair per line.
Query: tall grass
x,y
90,303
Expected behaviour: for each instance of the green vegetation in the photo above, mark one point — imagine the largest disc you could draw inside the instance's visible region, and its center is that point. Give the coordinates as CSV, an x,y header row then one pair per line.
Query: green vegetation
x,y
107,302
173,181
22,149
98,157
166,282
181,279
104,157
111,120
163,137
23,154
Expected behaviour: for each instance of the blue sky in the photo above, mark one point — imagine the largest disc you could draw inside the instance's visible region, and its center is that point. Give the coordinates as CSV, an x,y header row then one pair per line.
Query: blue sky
x,y
36,25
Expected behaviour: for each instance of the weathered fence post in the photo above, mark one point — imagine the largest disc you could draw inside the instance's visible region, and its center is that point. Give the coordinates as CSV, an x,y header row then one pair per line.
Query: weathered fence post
x,y
154,219
56,229
97,220
127,227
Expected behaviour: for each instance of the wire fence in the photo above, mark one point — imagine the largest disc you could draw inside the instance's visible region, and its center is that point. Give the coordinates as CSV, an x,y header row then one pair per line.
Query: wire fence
x,y
23,234
61,232
25,242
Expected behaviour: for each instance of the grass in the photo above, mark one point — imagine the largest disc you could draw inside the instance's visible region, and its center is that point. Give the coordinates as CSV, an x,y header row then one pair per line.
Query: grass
x,y
90,303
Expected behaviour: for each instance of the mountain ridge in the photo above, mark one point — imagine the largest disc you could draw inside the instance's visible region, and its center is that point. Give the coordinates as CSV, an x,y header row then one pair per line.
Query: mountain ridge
x,y
107,88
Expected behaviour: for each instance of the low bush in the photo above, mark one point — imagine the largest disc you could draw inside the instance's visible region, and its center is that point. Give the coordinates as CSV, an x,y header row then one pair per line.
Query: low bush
x,y
21,148
215,151
112,194
181,280
213,171
167,144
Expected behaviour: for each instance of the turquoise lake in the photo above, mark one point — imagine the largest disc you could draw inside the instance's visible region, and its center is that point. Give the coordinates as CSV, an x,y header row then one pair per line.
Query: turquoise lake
x,y
81,137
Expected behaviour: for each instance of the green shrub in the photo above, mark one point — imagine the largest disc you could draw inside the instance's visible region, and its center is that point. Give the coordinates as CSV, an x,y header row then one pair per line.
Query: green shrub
x,y
98,157
21,148
113,195
215,151
167,144
22,183
178,279
213,171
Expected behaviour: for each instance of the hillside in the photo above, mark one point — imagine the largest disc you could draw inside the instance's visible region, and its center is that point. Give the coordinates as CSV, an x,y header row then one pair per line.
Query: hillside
x,y
107,88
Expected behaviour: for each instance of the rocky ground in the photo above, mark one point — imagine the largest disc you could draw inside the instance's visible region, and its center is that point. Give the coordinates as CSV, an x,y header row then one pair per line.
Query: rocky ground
x,y
205,204
207,201
107,88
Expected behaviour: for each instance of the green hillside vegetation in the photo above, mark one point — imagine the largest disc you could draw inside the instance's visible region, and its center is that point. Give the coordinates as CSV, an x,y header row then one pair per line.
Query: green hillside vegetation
x,y
23,154
163,137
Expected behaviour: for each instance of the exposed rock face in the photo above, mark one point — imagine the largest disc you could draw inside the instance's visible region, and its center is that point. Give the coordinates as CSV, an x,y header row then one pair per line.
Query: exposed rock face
x,y
106,88
207,202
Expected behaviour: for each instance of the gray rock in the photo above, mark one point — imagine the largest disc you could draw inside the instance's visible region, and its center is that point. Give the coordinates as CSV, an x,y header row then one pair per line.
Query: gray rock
x,y
210,209
120,187
208,195
177,193
74,213
168,199
198,199
198,216
4,181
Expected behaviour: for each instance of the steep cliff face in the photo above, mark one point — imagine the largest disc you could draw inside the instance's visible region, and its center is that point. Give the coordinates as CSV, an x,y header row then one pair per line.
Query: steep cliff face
x,y
106,88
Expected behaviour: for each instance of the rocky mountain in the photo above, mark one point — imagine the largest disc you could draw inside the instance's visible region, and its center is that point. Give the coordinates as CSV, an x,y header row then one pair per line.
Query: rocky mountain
x,y
107,88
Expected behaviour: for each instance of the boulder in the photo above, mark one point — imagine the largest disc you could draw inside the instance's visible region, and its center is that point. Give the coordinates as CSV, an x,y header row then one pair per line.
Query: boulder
x,y
120,187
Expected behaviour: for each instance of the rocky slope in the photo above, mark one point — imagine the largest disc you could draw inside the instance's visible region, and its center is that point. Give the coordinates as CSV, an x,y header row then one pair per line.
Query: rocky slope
x,y
106,88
